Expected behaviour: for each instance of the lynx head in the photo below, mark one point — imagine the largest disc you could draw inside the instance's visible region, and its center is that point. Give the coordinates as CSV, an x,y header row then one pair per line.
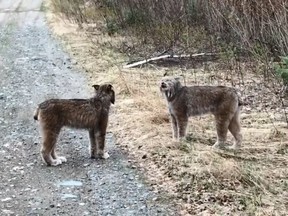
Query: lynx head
x,y
105,92
169,86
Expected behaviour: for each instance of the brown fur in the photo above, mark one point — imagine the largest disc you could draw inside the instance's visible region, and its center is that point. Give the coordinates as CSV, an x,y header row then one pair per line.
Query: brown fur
x,y
223,102
91,114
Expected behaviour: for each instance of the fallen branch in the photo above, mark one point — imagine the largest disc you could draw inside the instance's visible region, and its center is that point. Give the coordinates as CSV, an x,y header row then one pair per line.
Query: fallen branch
x,y
166,56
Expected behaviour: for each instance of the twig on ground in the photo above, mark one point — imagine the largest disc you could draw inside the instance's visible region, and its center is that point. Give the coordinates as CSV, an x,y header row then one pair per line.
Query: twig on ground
x,y
167,56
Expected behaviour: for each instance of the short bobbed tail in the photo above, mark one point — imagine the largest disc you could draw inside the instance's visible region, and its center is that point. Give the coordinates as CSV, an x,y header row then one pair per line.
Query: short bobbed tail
x,y
36,113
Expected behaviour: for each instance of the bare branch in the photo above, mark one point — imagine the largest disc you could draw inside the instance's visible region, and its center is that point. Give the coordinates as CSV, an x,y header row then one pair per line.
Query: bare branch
x,y
168,56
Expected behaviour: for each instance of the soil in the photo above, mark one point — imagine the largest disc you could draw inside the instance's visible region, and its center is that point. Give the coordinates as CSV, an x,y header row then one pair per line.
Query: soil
x,y
33,68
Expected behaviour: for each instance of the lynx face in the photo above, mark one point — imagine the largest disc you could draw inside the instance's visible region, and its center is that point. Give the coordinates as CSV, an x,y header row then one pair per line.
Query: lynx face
x,y
105,91
185,101
169,86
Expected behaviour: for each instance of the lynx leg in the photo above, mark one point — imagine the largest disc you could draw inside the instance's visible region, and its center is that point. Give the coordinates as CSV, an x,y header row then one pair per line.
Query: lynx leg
x,y
55,156
174,127
49,142
182,123
235,129
93,146
222,123
100,138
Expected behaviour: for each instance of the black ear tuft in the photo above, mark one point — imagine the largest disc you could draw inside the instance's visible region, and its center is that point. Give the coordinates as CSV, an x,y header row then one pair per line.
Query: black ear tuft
x,y
109,87
112,96
96,87
111,92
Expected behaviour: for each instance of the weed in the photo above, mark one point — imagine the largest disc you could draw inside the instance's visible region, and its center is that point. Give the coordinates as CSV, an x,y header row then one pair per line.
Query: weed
x,y
282,71
112,26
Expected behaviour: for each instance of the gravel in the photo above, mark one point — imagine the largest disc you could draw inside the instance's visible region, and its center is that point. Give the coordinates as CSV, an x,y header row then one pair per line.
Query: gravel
x,y
33,68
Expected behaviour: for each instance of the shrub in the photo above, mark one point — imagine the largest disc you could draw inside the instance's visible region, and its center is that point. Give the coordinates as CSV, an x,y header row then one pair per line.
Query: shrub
x,y
256,27
282,70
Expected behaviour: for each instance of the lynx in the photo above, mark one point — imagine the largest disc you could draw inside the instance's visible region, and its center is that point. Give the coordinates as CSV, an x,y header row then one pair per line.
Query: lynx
x,y
90,114
185,101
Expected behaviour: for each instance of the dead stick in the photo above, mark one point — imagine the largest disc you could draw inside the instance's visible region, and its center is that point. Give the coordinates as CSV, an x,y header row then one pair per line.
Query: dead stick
x,y
166,56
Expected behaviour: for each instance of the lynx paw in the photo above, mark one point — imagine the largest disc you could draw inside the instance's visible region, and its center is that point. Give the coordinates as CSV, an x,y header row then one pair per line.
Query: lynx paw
x,y
105,156
63,159
234,147
218,145
56,162
175,139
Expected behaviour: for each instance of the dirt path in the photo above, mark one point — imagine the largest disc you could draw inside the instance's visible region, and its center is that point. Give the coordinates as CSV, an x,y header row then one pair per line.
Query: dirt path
x,y
33,68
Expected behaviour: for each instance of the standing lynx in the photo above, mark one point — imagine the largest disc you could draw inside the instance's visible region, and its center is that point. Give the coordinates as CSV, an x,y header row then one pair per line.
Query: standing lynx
x,y
91,114
184,101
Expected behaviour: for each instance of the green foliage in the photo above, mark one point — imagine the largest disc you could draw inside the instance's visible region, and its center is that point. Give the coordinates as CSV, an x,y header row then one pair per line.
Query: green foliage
x,y
281,69
112,26
134,18
192,10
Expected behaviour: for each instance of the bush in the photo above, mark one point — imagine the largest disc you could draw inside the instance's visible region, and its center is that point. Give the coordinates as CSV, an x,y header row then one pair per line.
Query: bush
x,y
257,27
250,24
282,70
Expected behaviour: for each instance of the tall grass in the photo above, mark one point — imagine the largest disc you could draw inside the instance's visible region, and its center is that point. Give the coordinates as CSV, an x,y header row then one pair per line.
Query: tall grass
x,y
257,27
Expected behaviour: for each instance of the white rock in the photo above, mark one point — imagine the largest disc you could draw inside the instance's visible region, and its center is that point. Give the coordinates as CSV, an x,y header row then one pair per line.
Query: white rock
x,y
6,199
6,211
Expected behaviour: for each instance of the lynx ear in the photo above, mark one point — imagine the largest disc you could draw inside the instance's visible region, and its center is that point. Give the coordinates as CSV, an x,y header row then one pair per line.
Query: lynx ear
x,y
109,87
112,97
111,92
96,87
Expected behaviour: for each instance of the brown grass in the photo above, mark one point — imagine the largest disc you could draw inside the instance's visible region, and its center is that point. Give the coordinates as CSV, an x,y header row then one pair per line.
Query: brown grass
x,y
203,182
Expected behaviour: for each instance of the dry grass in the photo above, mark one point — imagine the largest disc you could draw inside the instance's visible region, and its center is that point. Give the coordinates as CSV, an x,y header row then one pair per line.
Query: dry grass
x,y
203,182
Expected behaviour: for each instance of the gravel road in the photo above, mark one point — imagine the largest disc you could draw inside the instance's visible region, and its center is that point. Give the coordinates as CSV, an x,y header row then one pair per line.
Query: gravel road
x,y
33,67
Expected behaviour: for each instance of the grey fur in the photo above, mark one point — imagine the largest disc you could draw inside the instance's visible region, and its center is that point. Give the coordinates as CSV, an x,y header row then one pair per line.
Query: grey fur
x,y
185,101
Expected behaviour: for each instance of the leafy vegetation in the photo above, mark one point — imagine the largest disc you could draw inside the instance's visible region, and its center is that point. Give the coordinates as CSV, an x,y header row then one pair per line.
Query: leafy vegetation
x,y
282,70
